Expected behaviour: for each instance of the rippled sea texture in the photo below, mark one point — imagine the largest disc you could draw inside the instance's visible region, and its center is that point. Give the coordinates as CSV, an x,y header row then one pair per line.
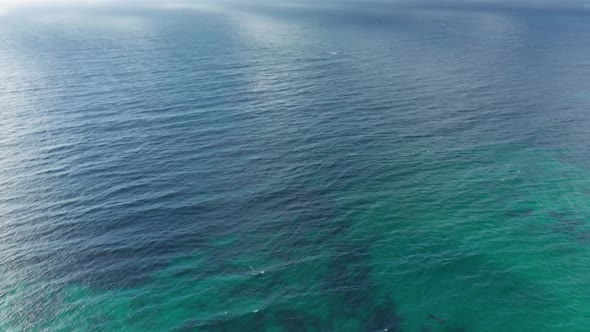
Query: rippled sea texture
x,y
295,168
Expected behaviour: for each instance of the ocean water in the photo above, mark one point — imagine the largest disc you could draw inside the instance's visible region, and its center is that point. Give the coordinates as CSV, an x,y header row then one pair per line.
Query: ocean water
x,y
295,167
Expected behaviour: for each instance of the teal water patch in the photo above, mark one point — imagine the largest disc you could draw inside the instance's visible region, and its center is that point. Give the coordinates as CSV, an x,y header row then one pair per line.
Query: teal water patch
x,y
479,244
496,244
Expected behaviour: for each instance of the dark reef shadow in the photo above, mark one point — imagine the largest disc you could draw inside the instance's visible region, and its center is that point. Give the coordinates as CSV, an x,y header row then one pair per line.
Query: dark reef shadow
x,y
568,223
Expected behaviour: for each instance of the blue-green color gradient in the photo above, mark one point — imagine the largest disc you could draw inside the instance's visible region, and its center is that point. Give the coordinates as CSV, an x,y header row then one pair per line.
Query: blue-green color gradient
x,y
295,167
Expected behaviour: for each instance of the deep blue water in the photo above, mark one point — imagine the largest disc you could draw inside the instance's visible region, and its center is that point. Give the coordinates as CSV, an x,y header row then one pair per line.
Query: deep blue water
x,y
295,167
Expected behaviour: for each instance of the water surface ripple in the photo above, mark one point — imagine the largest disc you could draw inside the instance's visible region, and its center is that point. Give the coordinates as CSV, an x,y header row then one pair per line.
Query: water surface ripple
x,y
294,168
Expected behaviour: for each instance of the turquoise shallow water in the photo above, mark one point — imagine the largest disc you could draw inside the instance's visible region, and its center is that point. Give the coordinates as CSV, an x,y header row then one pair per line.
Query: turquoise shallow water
x,y
300,167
